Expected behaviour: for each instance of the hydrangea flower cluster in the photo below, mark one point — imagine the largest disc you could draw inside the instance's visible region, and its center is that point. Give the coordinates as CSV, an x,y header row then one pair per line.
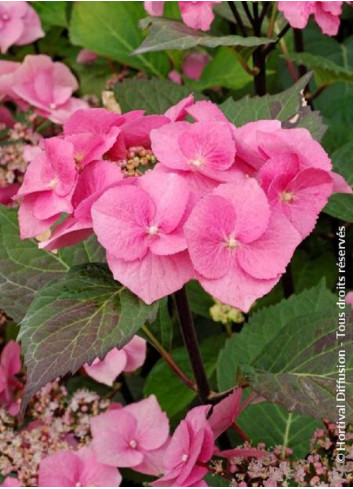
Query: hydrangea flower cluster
x,y
326,14
197,15
223,204
19,25
41,83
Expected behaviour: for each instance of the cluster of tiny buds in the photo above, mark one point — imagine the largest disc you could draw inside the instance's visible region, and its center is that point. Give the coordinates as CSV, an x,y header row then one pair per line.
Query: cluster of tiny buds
x,y
138,160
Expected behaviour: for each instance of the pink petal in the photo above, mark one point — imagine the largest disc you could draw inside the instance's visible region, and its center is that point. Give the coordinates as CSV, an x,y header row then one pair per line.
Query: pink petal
x,y
152,463
210,225
85,56
30,226
153,277
225,412
194,64
135,352
152,423
328,22
11,482
250,206
205,111
96,474
10,358
107,370
32,29
94,121
197,15
297,13
154,8
178,112
60,469
114,439
237,288
67,233
340,185
121,219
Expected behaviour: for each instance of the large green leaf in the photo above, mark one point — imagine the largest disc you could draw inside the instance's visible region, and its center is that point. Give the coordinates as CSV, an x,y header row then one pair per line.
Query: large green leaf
x,y
270,423
300,368
154,96
263,327
170,34
326,71
289,107
74,320
341,205
52,13
111,29
24,268
172,394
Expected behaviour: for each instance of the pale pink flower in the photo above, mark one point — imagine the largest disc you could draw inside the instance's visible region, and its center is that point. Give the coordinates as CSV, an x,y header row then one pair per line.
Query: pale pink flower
x,y
194,64
81,468
140,224
237,245
10,365
127,359
11,482
326,14
133,436
48,187
197,15
19,25
47,86
95,178
201,152
191,446
85,56
349,299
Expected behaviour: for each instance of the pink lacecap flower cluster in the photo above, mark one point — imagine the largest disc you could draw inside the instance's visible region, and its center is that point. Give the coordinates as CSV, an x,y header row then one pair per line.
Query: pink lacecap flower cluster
x,y
326,14
10,365
225,205
197,15
19,25
41,83
137,437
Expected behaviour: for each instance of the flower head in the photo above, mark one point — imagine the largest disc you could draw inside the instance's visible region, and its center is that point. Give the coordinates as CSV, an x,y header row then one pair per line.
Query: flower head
x,y
70,469
19,25
133,436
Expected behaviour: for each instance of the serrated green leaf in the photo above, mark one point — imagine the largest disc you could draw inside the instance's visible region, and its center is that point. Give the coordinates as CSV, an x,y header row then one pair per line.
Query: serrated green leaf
x,y
154,96
289,107
262,328
170,34
271,424
299,370
341,205
76,319
326,71
24,268
111,29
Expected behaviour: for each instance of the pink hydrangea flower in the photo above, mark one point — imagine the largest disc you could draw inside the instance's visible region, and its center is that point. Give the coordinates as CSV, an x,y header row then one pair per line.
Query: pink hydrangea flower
x,y
19,25
133,436
191,446
128,359
326,14
11,482
47,86
48,187
140,224
349,299
81,468
201,152
292,168
93,181
95,178
238,247
10,365
197,15
194,64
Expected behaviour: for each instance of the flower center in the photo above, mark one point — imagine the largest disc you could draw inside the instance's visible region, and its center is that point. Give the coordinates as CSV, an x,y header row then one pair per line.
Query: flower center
x,y
184,457
231,243
153,230
53,183
198,162
137,161
287,196
133,443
